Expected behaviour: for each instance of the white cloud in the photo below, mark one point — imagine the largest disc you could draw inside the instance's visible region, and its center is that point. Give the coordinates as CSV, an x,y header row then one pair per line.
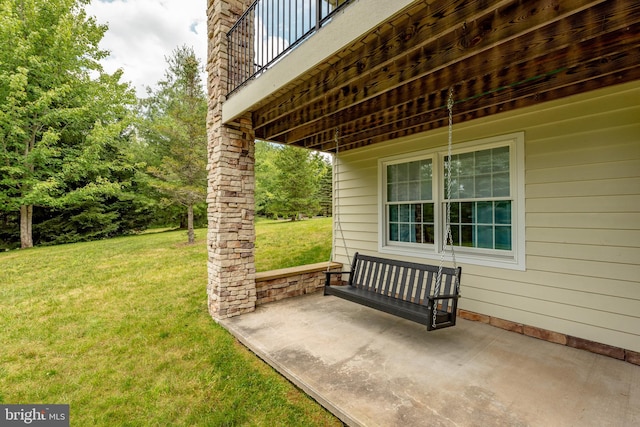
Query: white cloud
x,y
142,33
267,46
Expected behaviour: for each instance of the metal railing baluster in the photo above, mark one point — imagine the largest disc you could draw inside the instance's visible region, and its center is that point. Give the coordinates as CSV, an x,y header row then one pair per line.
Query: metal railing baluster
x,y
267,31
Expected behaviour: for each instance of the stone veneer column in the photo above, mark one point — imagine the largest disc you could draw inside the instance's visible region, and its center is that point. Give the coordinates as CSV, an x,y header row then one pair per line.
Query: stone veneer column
x,y
231,287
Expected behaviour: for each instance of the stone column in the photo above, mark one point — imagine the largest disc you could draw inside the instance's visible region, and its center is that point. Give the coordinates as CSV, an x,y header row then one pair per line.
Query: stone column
x,y
231,287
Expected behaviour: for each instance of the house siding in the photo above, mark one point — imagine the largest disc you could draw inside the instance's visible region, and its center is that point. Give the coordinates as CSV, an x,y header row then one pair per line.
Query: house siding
x,y
582,215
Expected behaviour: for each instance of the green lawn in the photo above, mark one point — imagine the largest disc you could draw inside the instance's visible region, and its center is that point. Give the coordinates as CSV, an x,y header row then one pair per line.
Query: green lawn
x,y
282,244
119,330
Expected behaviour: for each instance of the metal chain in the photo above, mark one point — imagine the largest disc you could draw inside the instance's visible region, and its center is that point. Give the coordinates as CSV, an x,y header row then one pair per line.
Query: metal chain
x,y
337,204
448,237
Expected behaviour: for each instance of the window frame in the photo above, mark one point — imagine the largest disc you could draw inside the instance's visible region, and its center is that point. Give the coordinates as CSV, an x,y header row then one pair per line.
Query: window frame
x,y
512,259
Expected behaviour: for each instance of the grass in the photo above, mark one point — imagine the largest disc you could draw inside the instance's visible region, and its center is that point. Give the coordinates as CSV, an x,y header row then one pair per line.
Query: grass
x,y
119,330
282,244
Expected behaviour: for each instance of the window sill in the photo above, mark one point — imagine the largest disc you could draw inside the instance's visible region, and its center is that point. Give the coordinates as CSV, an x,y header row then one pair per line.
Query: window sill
x,y
495,261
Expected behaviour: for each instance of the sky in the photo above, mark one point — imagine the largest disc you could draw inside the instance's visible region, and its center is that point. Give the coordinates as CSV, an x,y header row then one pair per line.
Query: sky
x,y
142,33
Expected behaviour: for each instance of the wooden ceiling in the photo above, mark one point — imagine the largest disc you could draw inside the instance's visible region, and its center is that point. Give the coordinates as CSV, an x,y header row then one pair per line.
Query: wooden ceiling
x,y
496,55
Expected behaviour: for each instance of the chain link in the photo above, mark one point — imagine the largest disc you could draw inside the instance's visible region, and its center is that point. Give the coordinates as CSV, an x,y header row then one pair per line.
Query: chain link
x,y
336,213
448,237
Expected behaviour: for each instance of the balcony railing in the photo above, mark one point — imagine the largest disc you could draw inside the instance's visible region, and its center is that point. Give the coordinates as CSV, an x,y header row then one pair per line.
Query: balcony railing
x,y
269,29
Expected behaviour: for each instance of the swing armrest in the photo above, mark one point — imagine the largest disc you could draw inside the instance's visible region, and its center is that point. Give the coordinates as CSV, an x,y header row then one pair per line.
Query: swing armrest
x,y
441,297
327,280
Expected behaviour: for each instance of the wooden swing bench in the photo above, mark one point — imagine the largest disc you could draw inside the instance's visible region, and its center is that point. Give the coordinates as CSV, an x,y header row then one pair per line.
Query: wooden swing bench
x,y
404,289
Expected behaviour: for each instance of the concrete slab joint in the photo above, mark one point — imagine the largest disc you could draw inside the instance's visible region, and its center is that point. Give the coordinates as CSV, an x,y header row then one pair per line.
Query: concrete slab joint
x,y
231,287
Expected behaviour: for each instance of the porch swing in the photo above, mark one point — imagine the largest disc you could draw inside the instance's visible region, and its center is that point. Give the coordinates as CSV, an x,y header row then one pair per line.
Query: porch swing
x,y
422,293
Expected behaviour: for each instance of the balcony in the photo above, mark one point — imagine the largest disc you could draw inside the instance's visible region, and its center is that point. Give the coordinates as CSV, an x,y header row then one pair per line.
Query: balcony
x,y
345,27
270,29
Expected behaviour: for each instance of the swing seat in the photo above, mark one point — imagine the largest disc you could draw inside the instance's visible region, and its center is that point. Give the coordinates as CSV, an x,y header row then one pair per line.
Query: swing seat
x,y
404,289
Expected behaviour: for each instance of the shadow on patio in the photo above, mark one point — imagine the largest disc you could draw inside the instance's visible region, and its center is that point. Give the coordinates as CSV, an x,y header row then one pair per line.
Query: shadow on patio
x,y
374,369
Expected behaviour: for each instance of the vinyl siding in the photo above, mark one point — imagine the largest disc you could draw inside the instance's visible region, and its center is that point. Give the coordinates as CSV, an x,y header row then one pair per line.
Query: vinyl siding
x,y
582,216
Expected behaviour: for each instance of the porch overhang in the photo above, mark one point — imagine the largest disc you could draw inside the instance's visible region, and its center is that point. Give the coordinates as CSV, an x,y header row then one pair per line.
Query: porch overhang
x,y
393,76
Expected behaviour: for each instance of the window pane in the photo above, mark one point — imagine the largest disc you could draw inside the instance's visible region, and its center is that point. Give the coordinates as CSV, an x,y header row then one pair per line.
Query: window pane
x,y
426,192
483,186
414,171
454,189
500,159
503,238
427,209
418,232
417,213
403,192
392,193
501,185
503,212
485,212
466,164
466,213
426,170
404,233
393,213
428,234
455,233
483,162
393,232
404,213
403,172
392,173
489,170
414,190
466,238
485,236
466,188
455,212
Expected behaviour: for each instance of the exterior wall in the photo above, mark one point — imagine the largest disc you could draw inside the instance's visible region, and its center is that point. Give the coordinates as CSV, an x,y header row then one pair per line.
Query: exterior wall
x,y
582,196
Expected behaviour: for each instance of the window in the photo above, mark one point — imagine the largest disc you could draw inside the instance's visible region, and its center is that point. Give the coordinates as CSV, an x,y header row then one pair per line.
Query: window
x,y
410,201
481,199
487,201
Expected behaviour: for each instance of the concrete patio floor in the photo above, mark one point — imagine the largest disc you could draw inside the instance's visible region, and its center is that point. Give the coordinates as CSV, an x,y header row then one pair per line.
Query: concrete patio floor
x,y
373,369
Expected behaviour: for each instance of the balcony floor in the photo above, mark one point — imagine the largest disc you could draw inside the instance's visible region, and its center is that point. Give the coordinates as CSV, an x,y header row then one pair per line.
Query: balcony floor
x,y
374,369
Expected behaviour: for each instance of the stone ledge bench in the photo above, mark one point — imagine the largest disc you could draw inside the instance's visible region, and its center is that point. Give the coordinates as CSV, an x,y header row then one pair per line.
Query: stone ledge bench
x,y
275,285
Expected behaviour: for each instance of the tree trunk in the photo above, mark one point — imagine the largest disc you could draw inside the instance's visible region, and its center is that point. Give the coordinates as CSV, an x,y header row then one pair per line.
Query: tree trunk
x,y
190,233
26,220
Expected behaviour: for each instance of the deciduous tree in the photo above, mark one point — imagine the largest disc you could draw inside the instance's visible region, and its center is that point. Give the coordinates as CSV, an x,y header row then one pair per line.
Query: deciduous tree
x,y
61,116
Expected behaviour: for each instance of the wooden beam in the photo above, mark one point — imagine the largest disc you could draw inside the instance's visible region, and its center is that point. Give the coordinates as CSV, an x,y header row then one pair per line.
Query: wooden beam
x,y
486,73
510,99
431,106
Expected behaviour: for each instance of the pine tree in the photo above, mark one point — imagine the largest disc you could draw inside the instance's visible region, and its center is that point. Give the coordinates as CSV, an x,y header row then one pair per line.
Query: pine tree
x,y
176,128
295,183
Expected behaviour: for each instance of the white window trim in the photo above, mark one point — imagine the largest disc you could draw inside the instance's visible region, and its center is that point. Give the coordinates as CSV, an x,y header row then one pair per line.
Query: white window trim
x,y
515,260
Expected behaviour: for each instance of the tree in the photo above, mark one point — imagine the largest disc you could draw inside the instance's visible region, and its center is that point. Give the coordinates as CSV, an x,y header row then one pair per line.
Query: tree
x,y
324,191
176,115
62,120
265,171
295,183
281,171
